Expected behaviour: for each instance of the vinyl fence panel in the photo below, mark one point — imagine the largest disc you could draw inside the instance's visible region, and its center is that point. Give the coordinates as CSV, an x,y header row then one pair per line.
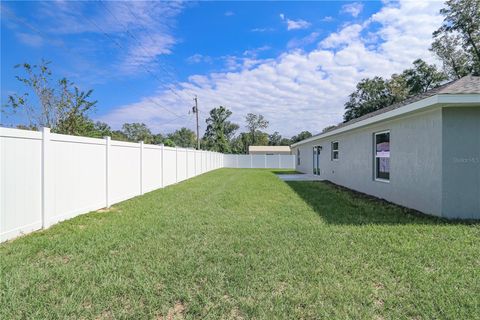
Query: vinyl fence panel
x,y
20,182
124,177
152,167
273,161
181,164
170,166
190,163
76,167
259,161
284,161
46,177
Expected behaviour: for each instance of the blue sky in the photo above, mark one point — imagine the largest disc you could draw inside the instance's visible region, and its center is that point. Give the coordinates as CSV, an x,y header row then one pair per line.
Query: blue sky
x,y
293,62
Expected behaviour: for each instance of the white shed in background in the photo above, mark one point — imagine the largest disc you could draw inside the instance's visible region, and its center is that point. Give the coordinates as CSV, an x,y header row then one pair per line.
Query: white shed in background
x,y
269,150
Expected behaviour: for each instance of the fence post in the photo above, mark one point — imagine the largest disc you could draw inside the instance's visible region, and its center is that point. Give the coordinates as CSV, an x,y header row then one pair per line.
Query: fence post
x,y
45,174
176,164
279,161
107,171
141,167
251,161
265,161
162,165
186,163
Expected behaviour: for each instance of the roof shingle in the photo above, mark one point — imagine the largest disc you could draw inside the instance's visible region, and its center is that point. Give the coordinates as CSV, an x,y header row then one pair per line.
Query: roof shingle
x,y
466,85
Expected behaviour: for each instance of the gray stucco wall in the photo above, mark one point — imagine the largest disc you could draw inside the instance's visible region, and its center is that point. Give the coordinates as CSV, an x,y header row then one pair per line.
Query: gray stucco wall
x,y
415,161
461,162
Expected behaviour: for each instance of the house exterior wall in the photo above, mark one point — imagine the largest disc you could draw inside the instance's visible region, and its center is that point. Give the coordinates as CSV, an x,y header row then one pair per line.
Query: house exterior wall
x,y
415,161
461,162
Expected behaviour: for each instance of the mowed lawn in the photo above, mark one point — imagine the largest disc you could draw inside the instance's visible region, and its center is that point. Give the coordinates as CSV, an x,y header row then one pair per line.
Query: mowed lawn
x,y
242,244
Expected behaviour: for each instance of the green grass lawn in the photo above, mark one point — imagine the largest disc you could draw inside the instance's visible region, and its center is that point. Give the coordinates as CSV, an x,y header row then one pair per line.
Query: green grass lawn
x,y
236,244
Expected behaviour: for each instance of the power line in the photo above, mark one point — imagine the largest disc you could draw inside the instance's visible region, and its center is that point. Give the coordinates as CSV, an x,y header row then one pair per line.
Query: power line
x,y
123,48
131,35
149,35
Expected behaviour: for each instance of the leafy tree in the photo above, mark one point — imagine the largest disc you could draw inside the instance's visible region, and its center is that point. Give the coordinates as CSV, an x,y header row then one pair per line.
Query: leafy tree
x,y
377,93
457,41
59,105
73,116
261,139
370,95
169,143
25,127
421,78
239,144
301,136
219,130
101,129
184,138
456,62
285,142
136,132
119,135
254,124
158,139
274,139
398,87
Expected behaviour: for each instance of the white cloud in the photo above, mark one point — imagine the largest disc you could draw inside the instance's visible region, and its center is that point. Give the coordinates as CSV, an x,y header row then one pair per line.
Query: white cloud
x,y
345,36
354,9
295,24
143,30
327,19
301,42
301,90
229,13
262,29
256,51
199,58
29,39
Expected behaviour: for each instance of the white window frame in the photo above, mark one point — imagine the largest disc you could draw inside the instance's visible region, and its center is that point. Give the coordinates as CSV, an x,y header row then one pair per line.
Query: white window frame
x,y
335,150
375,156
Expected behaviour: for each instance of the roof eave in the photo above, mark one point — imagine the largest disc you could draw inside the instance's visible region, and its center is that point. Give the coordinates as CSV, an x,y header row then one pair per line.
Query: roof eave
x,y
436,100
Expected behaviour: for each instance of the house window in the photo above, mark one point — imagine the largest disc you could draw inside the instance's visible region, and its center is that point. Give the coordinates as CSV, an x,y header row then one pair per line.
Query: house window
x,y
382,155
335,150
298,157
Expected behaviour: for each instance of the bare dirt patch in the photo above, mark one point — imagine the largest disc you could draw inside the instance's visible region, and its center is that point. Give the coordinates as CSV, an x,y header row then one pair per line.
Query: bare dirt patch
x,y
111,209
174,313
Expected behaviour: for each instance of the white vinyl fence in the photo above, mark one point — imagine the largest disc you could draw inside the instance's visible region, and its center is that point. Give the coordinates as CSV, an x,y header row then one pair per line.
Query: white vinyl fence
x,y
276,161
46,177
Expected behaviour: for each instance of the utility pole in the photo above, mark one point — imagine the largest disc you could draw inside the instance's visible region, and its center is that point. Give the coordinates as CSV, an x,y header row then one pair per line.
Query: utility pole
x,y
195,110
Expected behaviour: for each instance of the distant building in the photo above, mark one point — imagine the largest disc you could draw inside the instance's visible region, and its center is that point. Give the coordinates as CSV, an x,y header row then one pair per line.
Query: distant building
x,y
269,150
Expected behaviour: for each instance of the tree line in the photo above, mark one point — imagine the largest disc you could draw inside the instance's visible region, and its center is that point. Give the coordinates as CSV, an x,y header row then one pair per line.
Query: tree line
x,y
456,43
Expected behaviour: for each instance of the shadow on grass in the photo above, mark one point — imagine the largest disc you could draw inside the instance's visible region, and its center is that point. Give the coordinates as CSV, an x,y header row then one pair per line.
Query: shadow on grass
x,y
339,205
285,171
